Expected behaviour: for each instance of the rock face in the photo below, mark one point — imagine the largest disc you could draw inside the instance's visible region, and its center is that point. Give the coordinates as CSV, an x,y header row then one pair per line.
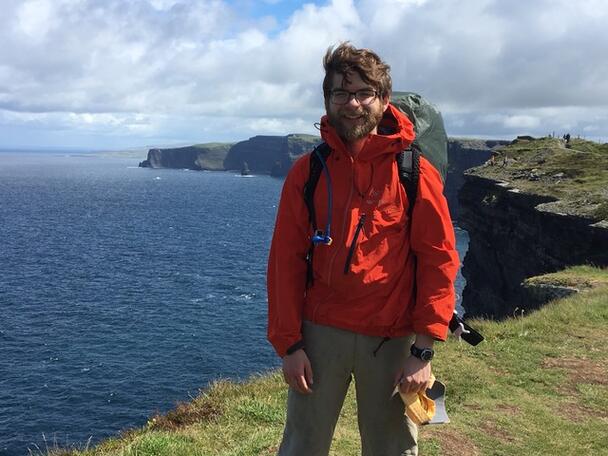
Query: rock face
x,y
513,237
264,155
541,294
199,157
270,154
462,155
275,155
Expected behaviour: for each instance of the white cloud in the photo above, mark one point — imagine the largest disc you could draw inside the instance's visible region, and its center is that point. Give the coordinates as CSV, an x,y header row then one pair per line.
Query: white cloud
x,y
521,122
494,68
35,18
163,4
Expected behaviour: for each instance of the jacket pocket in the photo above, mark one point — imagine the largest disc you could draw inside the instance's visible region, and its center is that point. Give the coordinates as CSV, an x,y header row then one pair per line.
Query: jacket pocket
x,y
388,219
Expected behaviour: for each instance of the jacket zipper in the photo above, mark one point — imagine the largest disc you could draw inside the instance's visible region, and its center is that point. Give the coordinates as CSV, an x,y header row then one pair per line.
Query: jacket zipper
x,y
344,225
353,244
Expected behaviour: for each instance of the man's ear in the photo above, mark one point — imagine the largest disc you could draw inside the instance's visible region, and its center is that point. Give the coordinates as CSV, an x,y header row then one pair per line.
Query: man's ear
x,y
385,102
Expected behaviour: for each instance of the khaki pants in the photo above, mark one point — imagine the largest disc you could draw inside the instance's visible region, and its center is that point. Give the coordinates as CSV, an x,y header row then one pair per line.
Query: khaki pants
x,y
336,356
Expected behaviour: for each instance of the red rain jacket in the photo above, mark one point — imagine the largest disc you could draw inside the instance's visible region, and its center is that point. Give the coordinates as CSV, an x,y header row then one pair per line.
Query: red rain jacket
x,y
373,293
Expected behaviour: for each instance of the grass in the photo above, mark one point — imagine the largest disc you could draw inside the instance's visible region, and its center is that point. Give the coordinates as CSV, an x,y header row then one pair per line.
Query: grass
x,y
303,137
537,385
575,177
214,146
581,277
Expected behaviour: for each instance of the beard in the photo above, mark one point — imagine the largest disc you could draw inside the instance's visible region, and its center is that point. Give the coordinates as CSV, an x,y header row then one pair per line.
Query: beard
x,y
355,129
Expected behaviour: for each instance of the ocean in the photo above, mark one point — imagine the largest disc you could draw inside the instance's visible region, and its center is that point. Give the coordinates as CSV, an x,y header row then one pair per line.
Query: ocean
x,y
124,290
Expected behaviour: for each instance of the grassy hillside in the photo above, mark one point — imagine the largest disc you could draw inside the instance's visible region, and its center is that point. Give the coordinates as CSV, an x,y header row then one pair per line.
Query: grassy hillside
x,y
538,385
576,175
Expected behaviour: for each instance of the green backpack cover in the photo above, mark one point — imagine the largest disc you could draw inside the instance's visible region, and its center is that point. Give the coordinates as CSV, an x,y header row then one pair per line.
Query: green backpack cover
x,y
431,137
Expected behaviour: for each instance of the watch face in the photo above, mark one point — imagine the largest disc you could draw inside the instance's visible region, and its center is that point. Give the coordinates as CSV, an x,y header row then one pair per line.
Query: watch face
x,y
426,354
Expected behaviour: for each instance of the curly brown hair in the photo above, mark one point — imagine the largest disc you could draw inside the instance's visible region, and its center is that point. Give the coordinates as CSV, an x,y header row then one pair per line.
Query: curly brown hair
x,y
345,58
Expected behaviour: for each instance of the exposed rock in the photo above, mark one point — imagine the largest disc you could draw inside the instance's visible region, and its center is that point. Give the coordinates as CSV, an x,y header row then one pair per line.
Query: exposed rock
x,y
518,230
245,171
205,156
270,154
538,294
275,155
523,138
462,155
264,155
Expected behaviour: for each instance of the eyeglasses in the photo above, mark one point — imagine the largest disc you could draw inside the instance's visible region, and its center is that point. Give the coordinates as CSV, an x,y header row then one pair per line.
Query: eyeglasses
x,y
363,96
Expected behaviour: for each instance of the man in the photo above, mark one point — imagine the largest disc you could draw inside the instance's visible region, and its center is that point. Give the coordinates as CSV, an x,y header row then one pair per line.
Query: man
x,y
369,298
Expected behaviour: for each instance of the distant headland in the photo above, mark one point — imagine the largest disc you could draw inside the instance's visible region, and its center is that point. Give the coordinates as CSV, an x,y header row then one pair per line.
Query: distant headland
x,y
274,155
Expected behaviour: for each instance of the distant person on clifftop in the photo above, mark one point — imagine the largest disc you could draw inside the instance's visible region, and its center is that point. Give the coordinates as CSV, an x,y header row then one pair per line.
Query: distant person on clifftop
x,y
360,307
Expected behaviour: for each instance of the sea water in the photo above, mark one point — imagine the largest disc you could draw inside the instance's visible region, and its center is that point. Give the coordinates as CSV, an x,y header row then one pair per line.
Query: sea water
x,y
125,290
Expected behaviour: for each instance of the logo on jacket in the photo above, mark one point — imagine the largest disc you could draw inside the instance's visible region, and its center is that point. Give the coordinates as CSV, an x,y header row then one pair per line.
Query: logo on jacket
x,y
373,197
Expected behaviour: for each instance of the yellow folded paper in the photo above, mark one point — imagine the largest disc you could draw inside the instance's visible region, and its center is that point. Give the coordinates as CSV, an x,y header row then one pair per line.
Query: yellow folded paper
x,y
418,406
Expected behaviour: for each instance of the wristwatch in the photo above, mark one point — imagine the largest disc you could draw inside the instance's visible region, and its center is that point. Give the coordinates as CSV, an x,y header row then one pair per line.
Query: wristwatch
x,y
425,354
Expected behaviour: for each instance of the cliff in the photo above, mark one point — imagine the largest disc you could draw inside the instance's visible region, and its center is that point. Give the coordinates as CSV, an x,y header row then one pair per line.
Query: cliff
x,y
463,154
209,156
535,208
274,155
263,154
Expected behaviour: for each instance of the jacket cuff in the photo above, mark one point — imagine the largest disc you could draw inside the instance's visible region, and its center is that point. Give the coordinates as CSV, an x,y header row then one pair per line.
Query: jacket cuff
x,y
295,347
437,331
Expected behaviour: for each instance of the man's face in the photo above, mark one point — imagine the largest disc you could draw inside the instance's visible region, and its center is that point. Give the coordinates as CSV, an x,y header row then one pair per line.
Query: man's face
x,y
354,121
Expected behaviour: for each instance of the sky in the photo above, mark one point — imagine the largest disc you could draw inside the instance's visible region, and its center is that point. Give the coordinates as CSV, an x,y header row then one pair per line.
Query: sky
x,y
113,74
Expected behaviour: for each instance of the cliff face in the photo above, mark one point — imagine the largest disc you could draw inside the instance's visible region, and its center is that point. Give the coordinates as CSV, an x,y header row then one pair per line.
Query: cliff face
x,y
270,154
516,234
263,154
260,153
275,155
462,155
205,156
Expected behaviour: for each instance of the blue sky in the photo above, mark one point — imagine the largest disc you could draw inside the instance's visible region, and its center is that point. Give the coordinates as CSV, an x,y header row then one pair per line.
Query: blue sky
x,y
111,74
281,10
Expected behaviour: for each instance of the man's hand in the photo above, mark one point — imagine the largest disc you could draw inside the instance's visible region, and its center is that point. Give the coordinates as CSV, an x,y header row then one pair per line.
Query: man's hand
x,y
414,376
297,371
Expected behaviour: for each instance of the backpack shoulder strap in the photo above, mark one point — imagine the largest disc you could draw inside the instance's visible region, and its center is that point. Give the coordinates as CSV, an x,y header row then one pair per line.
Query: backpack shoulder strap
x,y
316,167
408,163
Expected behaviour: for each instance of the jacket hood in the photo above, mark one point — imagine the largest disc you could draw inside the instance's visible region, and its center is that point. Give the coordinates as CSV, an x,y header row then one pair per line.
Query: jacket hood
x,y
395,133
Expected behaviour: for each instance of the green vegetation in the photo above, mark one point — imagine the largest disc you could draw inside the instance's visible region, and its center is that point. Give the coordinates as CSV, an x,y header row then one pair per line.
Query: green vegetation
x,y
303,137
581,277
214,146
538,385
575,175
212,155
